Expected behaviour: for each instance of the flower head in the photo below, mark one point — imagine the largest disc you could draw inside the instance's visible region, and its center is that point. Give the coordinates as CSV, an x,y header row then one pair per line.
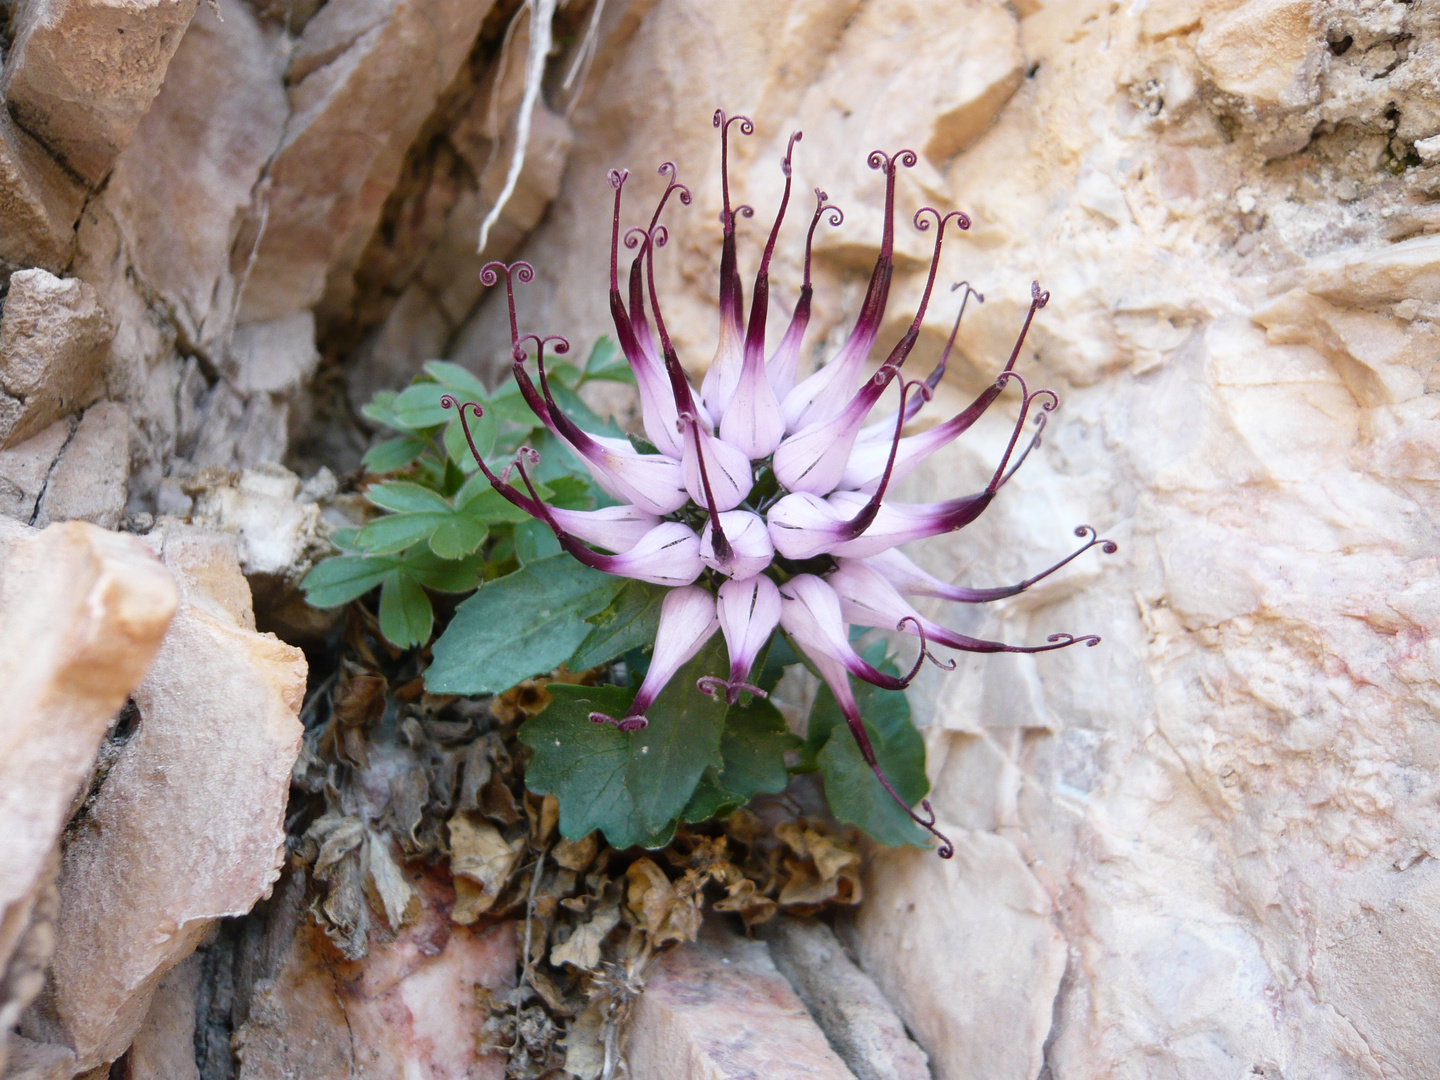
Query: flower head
x,y
764,504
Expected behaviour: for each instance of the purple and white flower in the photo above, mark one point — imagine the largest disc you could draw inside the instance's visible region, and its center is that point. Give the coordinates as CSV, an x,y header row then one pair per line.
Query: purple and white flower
x,y
763,504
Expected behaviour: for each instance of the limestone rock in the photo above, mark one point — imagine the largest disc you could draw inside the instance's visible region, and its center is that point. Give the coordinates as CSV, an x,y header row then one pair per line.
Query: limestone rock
x,y
25,468
275,357
717,1009
38,202
53,335
1265,51
164,1047
87,482
860,1024
411,1008
80,74
82,611
188,824
182,188
367,75
996,970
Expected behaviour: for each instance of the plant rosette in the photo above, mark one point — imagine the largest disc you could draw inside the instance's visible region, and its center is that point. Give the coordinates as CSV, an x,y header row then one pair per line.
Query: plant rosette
x,y
755,505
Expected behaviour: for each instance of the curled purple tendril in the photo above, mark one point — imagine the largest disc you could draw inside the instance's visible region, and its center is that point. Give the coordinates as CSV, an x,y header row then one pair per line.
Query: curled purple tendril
x,y
628,724
668,170
1107,546
925,653
635,237
824,205
1066,640
520,271
713,684
878,159
924,226
617,177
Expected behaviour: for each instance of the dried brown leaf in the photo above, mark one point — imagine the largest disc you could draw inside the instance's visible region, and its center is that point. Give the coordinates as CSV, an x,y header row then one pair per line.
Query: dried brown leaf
x,y
742,898
584,1044
576,854
582,948
396,898
523,701
479,856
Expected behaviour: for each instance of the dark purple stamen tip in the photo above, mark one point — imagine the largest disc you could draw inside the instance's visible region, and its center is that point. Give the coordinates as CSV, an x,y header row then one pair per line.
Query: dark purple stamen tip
x,y
629,723
713,685
1051,403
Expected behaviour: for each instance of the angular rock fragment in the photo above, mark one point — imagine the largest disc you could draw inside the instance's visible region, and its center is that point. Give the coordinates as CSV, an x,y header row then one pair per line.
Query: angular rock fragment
x,y
25,468
188,824
962,947
717,1009
364,78
53,336
81,74
87,482
183,186
860,1024
164,1047
274,357
82,612
39,202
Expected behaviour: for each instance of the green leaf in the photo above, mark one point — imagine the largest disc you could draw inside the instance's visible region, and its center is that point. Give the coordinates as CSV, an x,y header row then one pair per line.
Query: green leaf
x,y
627,622
396,532
341,578
524,624
571,405
584,765
418,406
458,380
457,536
630,785
403,497
405,613
483,431
854,794
681,741
394,454
606,361
710,800
443,575
381,409
534,541
753,749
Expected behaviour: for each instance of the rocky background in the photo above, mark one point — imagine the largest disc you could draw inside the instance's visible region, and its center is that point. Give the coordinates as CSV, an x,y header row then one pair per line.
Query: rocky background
x,y
1201,850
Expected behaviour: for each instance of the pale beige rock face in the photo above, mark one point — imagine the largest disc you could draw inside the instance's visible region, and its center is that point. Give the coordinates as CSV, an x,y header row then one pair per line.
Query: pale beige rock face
x,y
1225,811
364,76
38,201
53,336
87,481
182,188
82,612
82,73
188,824
717,1009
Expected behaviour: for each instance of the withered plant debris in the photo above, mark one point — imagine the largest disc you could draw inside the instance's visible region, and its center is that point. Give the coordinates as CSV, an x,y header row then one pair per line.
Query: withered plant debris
x,y
390,776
